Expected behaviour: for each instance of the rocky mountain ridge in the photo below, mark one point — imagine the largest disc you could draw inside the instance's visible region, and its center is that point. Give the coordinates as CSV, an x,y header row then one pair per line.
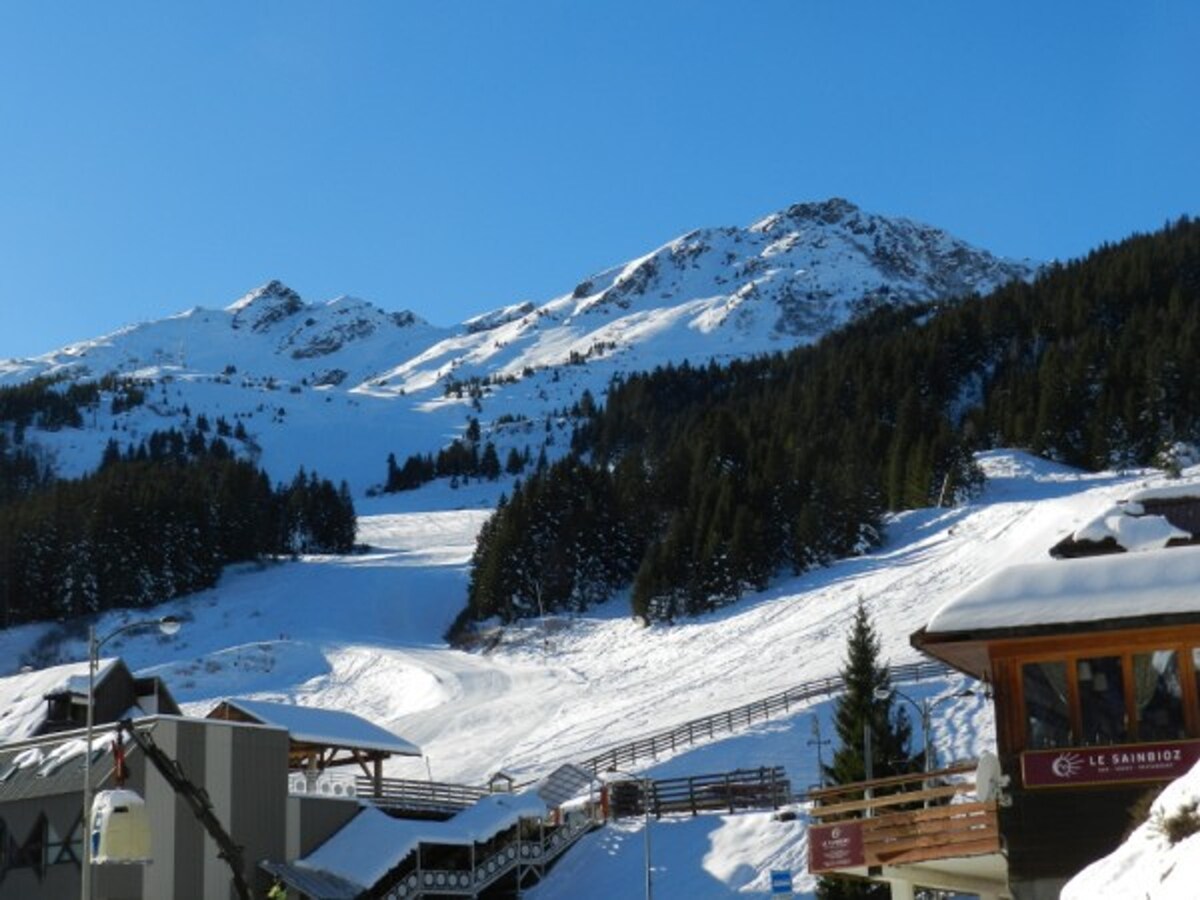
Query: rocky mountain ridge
x,y
711,294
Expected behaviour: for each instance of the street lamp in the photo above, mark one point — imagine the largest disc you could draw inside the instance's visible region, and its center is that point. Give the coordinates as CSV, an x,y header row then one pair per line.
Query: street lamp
x,y
644,783
168,625
819,743
925,709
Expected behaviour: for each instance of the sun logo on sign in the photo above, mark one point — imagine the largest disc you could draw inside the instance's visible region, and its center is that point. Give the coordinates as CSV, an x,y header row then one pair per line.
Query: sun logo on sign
x,y
1066,765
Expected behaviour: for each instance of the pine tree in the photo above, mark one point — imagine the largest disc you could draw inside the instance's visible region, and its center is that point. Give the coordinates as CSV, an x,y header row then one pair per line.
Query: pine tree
x,y
857,709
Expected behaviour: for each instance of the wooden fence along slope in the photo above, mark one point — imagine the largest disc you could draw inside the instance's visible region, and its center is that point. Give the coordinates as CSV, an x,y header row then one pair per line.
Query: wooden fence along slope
x,y
529,855
707,728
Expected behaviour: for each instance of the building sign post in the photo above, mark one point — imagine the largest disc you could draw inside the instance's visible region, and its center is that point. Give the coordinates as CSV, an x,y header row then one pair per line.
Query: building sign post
x,y
1117,764
838,845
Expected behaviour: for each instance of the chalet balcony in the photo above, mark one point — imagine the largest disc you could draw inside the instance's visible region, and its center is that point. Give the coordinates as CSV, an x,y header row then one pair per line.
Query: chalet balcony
x,y
928,829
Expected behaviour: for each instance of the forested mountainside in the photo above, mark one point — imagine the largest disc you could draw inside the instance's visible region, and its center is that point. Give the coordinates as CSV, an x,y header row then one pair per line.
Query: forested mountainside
x,y
154,522
692,485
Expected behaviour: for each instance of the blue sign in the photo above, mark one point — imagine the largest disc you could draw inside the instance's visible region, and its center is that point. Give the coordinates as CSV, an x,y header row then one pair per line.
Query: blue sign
x,y
781,881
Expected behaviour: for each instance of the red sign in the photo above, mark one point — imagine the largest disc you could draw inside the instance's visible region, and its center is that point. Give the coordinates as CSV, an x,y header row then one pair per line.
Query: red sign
x,y
1079,766
835,846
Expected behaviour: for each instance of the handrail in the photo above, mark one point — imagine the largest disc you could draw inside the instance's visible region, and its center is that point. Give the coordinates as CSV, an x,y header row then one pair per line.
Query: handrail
x,y
688,733
877,796
398,793
510,855
890,781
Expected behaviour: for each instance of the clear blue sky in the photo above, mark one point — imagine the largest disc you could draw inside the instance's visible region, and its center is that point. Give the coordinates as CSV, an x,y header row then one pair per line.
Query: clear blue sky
x,y
452,157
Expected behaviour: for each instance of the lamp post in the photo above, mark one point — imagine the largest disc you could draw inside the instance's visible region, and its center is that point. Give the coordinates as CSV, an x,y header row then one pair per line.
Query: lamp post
x,y
925,709
168,625
819,743
644,783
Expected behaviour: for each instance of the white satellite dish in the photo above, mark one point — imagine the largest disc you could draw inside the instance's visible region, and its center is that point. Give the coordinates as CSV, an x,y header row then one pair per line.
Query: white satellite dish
x,y
989,778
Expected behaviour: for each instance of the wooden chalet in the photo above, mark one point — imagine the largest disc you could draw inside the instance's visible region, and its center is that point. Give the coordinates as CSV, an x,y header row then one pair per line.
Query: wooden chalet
x,y
1093,662
1095,668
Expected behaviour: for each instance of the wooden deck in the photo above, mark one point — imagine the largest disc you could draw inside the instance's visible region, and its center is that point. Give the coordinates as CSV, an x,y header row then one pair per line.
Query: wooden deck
x,y
912,819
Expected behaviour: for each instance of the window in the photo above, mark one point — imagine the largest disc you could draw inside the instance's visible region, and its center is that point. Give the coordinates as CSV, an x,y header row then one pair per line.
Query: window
x,y
1158,696
1196,667
1047,716
1102,700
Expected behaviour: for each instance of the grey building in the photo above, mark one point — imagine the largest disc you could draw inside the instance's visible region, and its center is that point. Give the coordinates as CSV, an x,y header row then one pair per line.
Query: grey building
x,y
245,769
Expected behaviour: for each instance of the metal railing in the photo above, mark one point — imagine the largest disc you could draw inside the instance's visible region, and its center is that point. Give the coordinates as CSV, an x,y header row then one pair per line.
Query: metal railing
x,y
522,856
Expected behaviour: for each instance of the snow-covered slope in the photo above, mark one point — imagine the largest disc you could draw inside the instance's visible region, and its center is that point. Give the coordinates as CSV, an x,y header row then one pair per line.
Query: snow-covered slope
x,y
293,373
363,633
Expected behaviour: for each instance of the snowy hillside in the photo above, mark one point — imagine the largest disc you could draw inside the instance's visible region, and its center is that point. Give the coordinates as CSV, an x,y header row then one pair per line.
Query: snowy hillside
x,y
363,633
293,373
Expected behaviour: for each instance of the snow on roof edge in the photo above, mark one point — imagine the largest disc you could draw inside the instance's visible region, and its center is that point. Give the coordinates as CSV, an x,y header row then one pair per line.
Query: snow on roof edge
x,y
372,843
1088,589
330,727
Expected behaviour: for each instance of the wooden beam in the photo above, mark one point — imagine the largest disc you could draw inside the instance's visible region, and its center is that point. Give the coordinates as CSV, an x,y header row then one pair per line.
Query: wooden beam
x,y
820,813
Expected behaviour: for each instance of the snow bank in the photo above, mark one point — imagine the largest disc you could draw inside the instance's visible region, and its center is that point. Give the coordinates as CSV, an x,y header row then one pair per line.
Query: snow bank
x,y
1148,864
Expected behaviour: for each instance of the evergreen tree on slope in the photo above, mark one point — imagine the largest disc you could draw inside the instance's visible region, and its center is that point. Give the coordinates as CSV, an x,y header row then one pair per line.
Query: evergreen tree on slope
x,y
856,709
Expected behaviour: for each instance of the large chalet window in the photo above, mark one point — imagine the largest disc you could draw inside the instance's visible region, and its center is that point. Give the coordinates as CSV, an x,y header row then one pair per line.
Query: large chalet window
x,y
1047,712
1158,696
1142,694
1102,700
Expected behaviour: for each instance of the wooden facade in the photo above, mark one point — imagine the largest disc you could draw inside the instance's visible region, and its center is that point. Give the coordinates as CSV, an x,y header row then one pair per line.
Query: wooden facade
x,y
1089,717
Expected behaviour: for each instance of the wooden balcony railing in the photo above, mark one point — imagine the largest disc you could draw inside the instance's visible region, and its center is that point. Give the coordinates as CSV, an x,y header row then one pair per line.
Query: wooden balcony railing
x,y
910,819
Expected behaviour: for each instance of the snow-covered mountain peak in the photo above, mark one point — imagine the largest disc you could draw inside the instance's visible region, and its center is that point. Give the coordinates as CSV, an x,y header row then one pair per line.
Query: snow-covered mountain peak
x,y
715,293
264,306
828,212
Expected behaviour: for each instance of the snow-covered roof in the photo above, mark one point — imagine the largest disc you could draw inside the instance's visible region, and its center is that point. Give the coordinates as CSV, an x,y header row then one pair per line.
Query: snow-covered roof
x,y
1131,530
23,696
327,727
1182,489
372,843
1094,589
